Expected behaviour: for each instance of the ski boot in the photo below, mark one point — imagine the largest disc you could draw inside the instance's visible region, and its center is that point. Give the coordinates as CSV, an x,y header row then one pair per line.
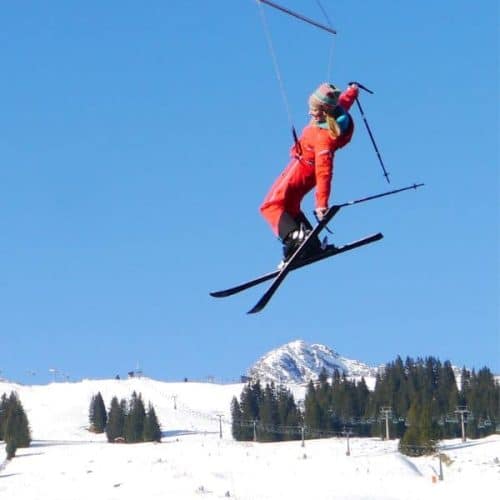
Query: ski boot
x,y
294,239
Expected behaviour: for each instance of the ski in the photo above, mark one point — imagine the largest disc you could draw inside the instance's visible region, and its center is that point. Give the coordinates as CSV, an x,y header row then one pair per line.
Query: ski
x,y
283,273
313,234
329,252
294,261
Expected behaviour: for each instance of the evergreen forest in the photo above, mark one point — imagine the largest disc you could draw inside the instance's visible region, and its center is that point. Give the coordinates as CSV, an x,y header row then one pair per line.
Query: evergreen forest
x,y
129,422
417,401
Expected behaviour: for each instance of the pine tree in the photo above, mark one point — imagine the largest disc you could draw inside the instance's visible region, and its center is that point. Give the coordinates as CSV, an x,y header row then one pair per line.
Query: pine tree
x,y
362,397
347,407
269,415
152,430
483,401
236,420
421,435
447,391
250,400
16,427
3,415
313,412
116,420
97,414
134,421
409,444
91,413
465,382
288,413
271,409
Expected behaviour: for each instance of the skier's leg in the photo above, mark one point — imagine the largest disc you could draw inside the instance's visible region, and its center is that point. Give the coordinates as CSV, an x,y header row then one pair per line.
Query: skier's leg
x,y
302,219
284,226
272,213
315,245
277,201
287,225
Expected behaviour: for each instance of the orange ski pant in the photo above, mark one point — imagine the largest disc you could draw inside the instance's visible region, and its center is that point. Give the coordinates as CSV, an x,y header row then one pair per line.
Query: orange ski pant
x,y
281,207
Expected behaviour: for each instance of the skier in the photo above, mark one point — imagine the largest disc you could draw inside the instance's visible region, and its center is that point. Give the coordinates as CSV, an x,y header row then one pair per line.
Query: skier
x,y
331,128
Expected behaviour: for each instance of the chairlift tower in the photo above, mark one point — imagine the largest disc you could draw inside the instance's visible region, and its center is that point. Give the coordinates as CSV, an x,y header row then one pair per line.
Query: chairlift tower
x,y
463,411
347,432
386,413
220,415
303,436
254,430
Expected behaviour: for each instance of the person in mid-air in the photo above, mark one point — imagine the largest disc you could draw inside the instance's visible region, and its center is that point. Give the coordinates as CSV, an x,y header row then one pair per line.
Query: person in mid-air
x,y
331,128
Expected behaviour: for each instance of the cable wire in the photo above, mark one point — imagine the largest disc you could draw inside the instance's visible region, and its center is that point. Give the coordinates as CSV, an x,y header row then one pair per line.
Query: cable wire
x,y
274,58
332,47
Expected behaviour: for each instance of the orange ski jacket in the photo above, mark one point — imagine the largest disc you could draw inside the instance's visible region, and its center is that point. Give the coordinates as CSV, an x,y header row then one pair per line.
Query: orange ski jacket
x,y
314,167
318,150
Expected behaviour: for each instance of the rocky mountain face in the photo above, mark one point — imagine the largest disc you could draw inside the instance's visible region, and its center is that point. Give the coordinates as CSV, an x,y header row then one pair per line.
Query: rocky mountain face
x,y
298,362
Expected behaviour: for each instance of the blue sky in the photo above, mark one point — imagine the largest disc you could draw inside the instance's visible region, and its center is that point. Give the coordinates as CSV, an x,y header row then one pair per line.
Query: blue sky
x,y
138,140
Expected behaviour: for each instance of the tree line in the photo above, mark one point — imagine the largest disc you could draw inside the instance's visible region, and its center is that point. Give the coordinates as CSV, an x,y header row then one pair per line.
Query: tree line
x,y
417,400
128,422
14,425
271,407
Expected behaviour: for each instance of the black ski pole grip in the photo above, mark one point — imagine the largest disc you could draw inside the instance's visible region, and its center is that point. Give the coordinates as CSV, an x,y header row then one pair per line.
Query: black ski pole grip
x,y
298,146
361,86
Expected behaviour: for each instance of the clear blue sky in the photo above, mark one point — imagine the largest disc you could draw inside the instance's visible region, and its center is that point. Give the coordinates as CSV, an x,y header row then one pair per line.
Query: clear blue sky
x,y
137,141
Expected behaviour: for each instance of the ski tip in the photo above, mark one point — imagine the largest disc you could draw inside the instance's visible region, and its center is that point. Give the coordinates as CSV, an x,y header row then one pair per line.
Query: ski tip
x,y
374,237
219,294
259,306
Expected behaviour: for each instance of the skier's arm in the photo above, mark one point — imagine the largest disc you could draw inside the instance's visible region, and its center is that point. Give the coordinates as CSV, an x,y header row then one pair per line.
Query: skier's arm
x,y
347,98
324,174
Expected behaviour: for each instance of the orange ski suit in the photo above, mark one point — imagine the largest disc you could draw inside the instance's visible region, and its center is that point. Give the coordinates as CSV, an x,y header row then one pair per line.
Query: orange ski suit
x,y
313,168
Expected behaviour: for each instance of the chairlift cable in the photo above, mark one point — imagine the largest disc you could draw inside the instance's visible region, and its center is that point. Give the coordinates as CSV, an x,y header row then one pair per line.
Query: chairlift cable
x,y
277,72
332,47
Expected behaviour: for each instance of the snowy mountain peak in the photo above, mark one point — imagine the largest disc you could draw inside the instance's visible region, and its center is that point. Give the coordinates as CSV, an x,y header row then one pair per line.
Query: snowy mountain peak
x,y
298,362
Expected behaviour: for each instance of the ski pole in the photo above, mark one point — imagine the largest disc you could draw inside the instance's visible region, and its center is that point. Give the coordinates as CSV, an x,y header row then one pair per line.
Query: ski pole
x,y
386,175
379,195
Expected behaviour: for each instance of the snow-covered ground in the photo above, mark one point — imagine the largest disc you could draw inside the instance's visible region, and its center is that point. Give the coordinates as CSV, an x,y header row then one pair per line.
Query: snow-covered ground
x,y
66,462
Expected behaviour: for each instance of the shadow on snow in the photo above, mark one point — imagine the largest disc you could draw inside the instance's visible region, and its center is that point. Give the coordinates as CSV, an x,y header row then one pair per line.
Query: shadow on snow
x,y
183,432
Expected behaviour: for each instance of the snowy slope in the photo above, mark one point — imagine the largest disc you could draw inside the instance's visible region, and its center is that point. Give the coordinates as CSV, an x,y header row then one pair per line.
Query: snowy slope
x,y
298,362
65,462
59,411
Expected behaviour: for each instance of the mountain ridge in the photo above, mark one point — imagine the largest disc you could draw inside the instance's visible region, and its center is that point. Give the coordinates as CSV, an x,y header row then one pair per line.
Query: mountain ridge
x,y
298,362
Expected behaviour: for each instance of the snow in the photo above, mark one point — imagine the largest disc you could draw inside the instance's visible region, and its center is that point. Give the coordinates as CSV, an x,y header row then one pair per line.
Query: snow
x,y
298,362
66,462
